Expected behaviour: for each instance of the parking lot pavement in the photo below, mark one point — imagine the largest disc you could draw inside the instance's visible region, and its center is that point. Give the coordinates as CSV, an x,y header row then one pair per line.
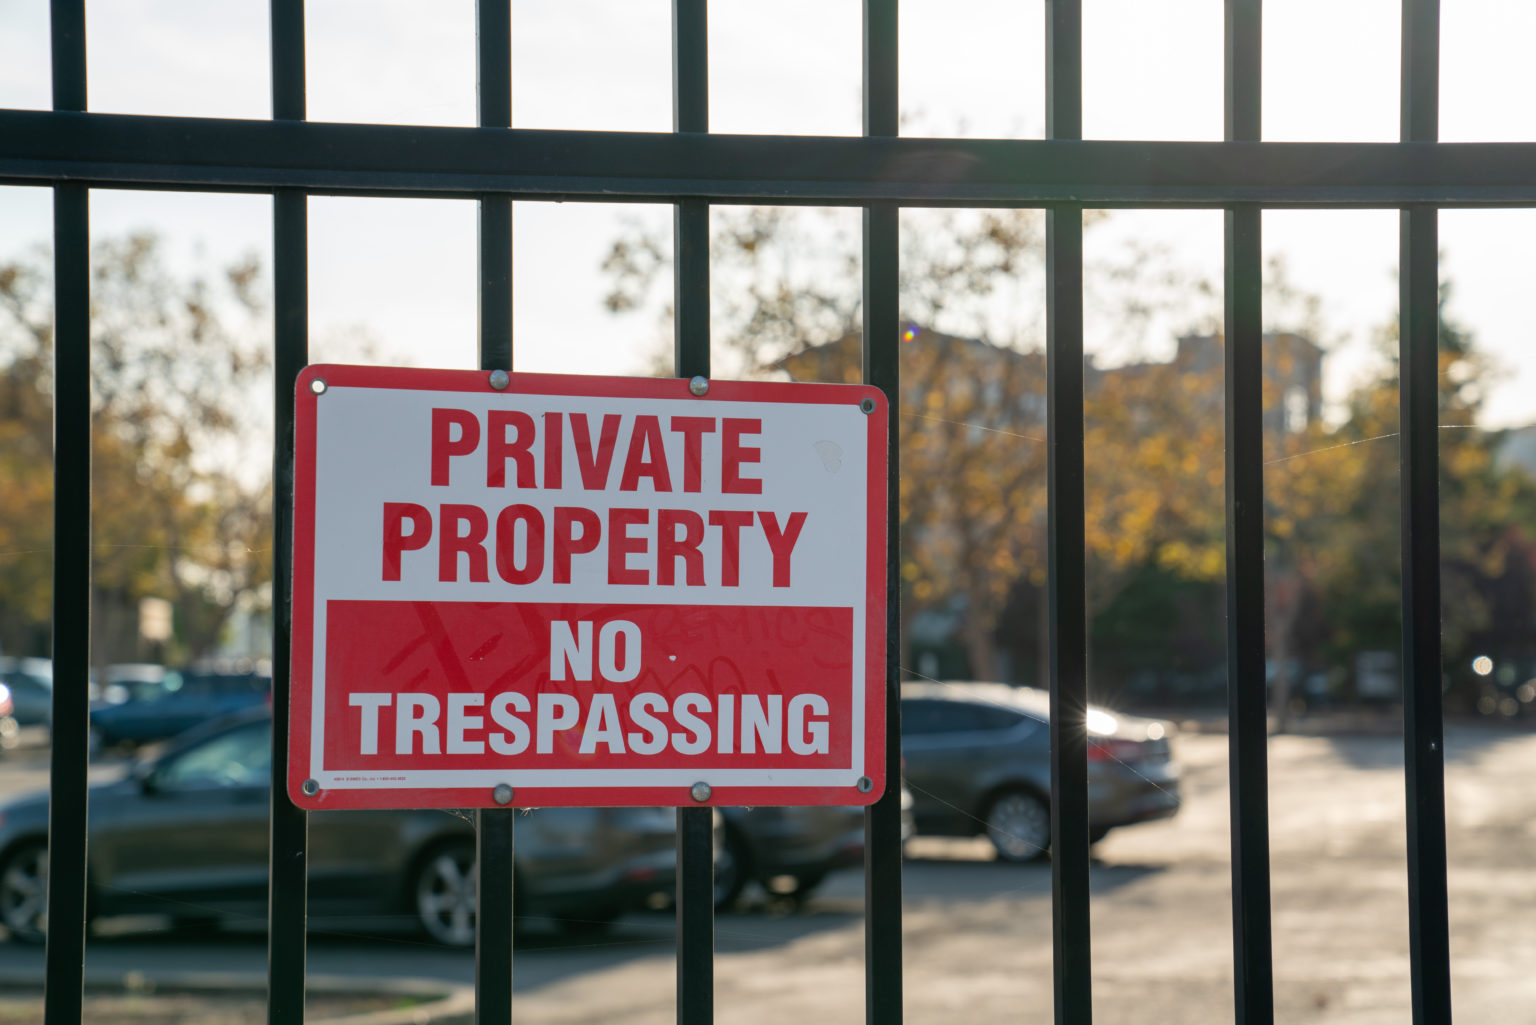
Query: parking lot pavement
x,y
978,943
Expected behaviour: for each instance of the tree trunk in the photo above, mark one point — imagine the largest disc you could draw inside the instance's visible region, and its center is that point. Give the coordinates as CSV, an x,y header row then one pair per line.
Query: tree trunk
x,y
980,648
1284,602
1281,698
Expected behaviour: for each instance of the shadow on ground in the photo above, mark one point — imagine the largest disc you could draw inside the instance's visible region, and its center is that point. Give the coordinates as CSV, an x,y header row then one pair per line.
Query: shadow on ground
x,y
946,873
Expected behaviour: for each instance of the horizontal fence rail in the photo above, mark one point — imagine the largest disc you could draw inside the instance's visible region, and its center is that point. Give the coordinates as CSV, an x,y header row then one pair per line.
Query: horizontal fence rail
x,y
41,147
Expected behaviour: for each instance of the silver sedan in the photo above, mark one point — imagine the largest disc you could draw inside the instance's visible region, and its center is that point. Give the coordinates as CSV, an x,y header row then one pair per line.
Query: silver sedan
x,y
185,835
978,762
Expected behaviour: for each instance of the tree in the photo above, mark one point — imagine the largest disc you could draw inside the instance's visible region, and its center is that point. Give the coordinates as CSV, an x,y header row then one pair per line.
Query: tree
x,y
973,500
972,430
1334,514
181,501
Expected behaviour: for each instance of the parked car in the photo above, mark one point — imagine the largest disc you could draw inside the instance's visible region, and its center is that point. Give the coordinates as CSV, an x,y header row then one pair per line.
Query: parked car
x,y
29,681
790,851
978,762
185,835
142,707
129,681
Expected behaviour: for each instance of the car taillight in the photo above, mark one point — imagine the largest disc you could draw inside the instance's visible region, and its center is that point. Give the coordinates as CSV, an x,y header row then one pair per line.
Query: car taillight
x,y
1116,751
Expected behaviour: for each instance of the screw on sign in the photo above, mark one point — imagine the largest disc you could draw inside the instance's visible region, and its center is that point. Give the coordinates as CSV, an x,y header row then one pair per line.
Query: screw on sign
x,y
586,591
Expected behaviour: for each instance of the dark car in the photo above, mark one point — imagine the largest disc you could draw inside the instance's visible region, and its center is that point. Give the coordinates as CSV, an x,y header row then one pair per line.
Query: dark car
x,y
29,681
185,835
142,709
978,762
790,851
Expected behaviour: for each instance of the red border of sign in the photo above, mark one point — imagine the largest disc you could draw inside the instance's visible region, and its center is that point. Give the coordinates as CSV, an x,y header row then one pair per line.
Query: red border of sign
x,y
303,638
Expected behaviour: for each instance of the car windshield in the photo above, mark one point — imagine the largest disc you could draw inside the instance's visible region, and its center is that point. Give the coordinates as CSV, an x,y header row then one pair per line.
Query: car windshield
x,y
922,715
239,757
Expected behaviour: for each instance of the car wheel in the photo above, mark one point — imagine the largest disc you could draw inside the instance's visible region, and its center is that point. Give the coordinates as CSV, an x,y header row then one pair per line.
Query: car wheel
x,y
24,892
732,866
1019,826
443,892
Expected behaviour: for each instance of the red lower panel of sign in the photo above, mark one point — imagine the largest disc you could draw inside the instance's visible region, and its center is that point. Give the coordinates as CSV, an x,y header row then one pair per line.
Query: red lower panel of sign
x,y
462,686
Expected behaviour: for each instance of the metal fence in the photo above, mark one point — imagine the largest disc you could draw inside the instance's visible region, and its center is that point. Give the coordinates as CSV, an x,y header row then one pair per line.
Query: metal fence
x,y
291,159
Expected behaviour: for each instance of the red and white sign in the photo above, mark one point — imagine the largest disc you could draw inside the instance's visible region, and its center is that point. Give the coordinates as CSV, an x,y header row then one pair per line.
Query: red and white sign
x,y
594,590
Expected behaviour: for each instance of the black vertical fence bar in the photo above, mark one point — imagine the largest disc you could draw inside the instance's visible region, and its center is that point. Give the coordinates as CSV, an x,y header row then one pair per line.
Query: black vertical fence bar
x,y
690,278
66,26
1419,411
695,916
494,827
1247,745
494,85
286,911
288,885
493,918
1247,712
1423,732
67,811
67,808
495,293
1073,974
690,265
882,368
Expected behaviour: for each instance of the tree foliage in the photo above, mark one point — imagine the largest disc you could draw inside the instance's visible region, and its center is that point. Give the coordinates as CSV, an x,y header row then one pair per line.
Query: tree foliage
x,y
973,453
1334,513
181,509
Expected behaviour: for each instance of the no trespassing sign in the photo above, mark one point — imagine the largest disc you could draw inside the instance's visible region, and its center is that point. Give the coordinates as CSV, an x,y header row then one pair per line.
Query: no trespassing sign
x,y
592,590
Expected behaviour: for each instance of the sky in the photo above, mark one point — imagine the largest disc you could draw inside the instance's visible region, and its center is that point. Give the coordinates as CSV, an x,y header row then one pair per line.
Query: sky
x,y
402,272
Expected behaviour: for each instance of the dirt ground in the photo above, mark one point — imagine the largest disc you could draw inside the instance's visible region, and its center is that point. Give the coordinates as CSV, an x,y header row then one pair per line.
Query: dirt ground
x,y
978,937
978,933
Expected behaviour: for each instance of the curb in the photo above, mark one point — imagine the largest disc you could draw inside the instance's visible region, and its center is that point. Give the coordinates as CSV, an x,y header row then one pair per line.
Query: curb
x,y
445,1003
